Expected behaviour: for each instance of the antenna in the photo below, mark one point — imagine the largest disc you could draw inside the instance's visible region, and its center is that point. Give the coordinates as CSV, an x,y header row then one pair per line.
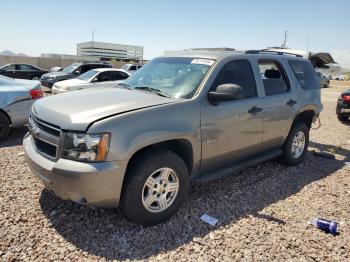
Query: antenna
x,y
284,45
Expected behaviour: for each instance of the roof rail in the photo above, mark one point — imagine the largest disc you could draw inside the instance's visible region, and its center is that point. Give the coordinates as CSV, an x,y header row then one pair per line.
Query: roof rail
x,y
271,52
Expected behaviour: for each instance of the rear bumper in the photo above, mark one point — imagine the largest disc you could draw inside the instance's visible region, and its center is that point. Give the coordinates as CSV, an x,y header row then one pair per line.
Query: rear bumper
x,y
94,184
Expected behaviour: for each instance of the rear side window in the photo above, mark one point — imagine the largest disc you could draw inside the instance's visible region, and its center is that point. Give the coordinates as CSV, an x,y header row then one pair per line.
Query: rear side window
x,y
238,72
116,75
274,78
306,74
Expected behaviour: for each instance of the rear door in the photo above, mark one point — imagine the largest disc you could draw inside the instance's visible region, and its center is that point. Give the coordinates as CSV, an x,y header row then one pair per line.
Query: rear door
x,y
232,130
279,102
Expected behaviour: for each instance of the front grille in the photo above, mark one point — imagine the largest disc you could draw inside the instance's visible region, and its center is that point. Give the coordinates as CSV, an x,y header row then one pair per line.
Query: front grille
x,y
45,136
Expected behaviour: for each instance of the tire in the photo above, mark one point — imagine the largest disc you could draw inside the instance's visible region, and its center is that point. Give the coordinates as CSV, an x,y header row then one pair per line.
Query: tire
x,y
4,126
342,118
136,192
288,157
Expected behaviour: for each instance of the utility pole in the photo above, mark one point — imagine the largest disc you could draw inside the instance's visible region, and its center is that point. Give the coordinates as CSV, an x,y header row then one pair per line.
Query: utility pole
x,y
284,45
307,43
93,37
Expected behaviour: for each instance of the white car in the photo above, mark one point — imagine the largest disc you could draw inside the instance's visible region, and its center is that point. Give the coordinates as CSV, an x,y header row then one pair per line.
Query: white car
x,y
100,77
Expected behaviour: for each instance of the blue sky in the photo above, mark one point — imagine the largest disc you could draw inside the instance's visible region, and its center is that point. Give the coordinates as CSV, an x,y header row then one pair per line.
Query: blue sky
x,y
35,27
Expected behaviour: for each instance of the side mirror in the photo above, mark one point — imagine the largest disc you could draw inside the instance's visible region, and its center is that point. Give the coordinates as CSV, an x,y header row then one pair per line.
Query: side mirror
x,y
94,80
77,72
225,92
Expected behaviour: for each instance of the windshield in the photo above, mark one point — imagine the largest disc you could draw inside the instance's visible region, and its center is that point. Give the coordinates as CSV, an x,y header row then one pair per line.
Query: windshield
x,y
177,77
88,75
71,68
126,67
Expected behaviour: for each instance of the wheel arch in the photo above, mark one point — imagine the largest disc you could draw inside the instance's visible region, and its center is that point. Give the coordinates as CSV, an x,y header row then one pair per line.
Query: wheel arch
x,y
6,115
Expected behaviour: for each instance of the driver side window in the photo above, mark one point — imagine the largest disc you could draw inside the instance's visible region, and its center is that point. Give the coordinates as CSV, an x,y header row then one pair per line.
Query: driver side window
x,y
238,72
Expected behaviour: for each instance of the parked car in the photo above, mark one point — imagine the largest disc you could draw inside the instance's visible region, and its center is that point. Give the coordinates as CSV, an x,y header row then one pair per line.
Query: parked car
x,y
72,71
22,71
324,81
16,99
100,77
191,116
343,106
131,68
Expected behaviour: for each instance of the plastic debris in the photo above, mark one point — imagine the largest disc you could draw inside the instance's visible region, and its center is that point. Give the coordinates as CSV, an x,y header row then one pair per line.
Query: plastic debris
x,y
327,226
208,219
20,154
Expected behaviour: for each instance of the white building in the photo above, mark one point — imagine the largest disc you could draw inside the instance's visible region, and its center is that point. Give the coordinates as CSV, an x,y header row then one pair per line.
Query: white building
x,y
109,51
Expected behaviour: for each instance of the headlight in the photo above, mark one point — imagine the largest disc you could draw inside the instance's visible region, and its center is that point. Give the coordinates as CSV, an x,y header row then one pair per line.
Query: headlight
x,y
86,147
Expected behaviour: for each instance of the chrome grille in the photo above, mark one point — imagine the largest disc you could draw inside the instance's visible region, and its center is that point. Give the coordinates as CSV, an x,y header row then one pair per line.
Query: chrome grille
x,y
46,137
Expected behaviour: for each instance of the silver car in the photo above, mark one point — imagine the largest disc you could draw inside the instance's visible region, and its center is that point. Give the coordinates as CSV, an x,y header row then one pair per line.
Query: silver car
x,y
16,99
190,116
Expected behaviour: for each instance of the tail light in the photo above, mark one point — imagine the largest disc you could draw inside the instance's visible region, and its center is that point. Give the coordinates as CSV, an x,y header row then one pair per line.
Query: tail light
x,y
36,93
346,97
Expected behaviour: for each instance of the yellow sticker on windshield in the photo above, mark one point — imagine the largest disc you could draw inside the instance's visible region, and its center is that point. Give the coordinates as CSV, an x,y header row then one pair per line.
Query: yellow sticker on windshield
x,y
207,62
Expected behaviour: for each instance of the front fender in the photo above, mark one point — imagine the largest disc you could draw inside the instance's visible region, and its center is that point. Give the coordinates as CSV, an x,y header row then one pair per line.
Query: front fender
x,y
138,129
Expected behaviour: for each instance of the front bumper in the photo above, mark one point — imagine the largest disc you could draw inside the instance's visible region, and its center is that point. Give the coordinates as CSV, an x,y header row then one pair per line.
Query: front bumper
x,y
94,184
47,83
55,90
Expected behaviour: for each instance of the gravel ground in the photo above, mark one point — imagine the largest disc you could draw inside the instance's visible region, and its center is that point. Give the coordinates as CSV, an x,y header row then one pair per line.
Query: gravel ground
x,y
263,213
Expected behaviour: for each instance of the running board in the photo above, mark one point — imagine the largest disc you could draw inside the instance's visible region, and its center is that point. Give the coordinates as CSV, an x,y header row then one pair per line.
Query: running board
x,y
250,161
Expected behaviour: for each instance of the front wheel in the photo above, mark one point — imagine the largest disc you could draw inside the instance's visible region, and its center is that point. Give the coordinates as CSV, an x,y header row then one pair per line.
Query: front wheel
x,y
156,185
4,126
295,147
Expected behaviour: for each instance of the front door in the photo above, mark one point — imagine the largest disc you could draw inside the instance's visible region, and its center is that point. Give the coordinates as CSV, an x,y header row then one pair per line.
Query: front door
x,y
232,130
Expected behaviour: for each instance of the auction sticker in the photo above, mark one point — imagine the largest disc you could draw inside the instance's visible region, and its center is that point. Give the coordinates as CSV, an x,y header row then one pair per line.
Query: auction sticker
x,y
207,62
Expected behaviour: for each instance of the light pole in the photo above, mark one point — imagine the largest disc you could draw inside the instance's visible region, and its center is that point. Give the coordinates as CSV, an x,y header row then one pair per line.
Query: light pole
x,y
93,37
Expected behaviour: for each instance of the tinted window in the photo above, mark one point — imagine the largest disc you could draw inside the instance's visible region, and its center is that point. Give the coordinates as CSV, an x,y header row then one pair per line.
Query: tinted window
x,y
119,75
26,68
104,76
132,68
305,73
274,77
10,68
237,72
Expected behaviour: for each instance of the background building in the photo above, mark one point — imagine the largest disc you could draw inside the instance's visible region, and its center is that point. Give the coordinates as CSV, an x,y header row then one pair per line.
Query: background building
x,y
106,51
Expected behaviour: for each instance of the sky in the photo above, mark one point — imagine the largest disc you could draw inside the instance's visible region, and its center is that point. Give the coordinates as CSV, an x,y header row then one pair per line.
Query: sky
x,y
35,27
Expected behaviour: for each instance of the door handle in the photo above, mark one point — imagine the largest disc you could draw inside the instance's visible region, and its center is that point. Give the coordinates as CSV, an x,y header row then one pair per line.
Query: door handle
x,y
254,110
291,102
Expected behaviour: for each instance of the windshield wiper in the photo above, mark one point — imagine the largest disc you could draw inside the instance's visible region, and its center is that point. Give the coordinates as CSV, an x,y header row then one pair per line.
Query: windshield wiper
x,y
124,85
151,89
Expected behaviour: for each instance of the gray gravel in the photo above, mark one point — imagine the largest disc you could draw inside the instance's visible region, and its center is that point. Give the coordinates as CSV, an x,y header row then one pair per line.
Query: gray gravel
x,y
263,213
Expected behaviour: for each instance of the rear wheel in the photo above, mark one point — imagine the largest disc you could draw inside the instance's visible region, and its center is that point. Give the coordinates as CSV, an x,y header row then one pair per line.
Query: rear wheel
x,y
342,118
156,186
295,147
4,126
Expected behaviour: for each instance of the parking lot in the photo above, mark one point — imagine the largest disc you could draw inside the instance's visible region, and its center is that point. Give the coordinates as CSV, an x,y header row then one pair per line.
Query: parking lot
x,y
262,211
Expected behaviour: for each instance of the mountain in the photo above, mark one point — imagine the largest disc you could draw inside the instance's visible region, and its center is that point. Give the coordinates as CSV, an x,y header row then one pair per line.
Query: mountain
x,y
10,53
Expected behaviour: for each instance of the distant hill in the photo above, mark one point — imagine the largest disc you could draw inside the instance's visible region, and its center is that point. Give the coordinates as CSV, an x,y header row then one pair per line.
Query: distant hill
x,y
10,53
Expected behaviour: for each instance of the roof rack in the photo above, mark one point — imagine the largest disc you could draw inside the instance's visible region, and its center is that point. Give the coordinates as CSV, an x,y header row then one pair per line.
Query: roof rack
x,y
270,51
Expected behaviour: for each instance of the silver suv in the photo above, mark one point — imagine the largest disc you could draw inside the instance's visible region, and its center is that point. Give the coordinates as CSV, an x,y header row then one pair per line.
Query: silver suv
x,y
190,116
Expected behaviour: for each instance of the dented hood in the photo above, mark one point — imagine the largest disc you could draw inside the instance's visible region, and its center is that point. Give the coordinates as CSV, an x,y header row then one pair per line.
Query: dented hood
x,y
77,110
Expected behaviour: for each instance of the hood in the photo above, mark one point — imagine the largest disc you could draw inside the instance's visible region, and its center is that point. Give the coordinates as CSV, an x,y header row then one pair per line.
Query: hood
x,y
71,82
56,74
321,60
77,110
